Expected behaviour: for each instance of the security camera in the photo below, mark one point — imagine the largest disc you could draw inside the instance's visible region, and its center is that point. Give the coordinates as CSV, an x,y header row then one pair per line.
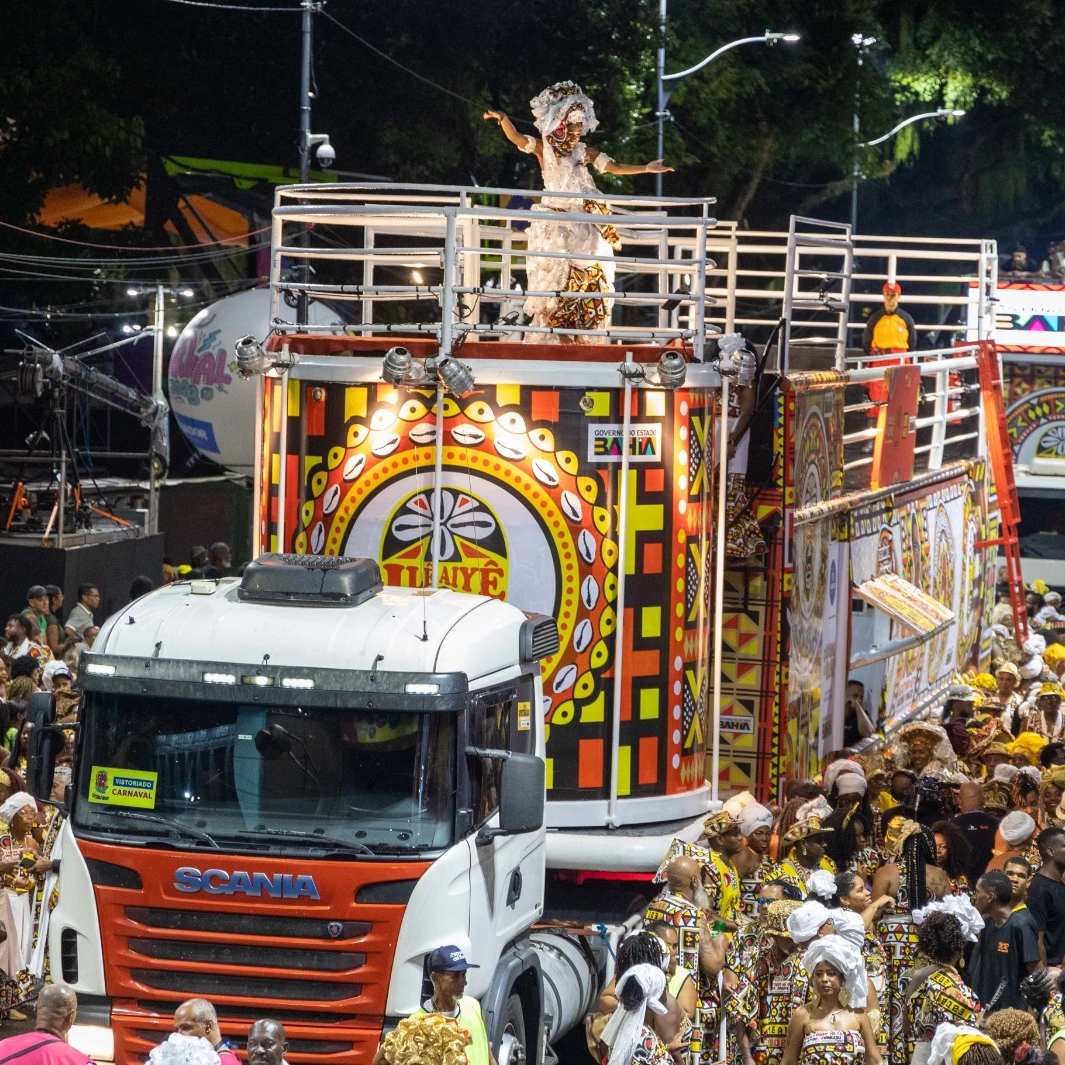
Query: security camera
x,y
326,154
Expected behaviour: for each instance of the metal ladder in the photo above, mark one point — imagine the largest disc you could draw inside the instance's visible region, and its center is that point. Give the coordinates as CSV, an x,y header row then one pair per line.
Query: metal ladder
x,y
1000,456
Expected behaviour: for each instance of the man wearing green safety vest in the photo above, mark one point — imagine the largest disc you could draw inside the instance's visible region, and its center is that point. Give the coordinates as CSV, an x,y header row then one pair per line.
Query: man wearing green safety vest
x,y
447,971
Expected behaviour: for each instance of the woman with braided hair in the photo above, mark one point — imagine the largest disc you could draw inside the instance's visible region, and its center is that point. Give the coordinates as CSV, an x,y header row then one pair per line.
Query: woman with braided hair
x,y
1013,1031
911,877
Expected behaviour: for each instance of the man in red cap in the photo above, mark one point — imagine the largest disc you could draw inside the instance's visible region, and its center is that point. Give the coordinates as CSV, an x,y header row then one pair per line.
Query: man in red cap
x,y
887,332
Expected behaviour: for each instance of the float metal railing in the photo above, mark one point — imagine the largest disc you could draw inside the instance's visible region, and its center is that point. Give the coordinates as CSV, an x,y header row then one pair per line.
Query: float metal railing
x,y
680,270
428,261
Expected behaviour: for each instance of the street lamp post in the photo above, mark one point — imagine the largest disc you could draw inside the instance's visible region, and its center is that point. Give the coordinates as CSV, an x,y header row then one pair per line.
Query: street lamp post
x,y
661,114
306,34
863,44
939,112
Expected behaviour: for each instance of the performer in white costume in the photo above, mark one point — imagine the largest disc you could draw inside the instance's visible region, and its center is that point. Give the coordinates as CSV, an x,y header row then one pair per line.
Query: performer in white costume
x,y
585,264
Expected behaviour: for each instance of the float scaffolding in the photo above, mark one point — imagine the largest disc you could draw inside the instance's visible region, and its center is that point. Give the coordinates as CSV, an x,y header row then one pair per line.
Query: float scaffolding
x,y
439,433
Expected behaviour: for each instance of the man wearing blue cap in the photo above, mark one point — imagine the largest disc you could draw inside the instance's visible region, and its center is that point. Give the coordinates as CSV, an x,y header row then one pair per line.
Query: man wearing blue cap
x,y
447,970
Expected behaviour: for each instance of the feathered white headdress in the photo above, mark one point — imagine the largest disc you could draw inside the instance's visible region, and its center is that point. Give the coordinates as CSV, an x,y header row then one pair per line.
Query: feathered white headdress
x,y
555,103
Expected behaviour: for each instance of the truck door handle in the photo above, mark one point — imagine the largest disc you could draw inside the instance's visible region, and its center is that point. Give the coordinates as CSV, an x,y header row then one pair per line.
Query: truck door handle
x,y
514,892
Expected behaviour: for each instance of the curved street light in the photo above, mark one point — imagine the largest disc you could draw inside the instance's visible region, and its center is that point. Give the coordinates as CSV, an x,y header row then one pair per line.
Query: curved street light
x,y
664,94
939,112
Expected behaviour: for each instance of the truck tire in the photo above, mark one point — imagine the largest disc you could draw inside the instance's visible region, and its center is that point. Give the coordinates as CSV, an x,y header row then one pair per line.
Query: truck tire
x,y
512,1042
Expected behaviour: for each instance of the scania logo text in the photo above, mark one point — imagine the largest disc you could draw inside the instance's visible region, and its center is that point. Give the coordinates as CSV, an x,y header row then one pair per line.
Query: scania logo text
x,y
257,885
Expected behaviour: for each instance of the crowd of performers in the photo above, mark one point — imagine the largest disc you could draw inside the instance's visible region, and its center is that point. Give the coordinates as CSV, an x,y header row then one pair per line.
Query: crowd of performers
x,y
906,907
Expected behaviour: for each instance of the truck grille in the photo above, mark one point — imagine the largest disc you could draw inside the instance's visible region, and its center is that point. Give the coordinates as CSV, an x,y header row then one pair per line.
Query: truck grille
x,y
258,957
208,985
247,924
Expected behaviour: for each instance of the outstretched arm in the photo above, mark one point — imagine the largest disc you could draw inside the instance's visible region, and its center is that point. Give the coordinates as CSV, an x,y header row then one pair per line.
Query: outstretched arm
x,y
604,164
519,140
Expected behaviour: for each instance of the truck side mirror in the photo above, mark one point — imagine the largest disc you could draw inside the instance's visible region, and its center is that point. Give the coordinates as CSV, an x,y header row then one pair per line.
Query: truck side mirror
x,y
46,741
521,796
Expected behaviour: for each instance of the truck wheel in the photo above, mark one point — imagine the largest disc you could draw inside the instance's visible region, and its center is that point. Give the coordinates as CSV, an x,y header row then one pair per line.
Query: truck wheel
x,y
512,1044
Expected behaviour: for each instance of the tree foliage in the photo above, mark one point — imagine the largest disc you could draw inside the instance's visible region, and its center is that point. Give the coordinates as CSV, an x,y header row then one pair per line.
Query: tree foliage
x,y
93,86
65,115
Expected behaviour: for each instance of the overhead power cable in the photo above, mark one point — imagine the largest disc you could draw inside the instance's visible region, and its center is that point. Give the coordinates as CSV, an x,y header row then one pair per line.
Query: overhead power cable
x,y
123,248
231,7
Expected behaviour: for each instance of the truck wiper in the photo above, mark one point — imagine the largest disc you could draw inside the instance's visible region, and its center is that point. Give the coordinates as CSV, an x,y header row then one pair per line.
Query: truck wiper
x,y
295,833
156,819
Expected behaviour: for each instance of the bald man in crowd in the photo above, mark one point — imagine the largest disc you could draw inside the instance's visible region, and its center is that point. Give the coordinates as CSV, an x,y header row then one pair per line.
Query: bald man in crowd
x,y
57,1006
266,1043
198,1018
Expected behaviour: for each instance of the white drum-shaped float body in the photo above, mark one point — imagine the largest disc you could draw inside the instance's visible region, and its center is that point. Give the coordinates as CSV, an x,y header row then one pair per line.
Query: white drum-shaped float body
x,y
213,407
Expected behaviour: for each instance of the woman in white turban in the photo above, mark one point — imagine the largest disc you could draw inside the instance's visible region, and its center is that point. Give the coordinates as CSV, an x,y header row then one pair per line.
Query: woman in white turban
x,y
808,921
833,1028
630,1040
753,862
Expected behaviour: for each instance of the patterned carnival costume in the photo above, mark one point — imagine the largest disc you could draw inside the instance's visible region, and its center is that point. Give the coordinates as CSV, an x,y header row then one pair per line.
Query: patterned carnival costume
x,y
722,885
909,847
773,990
836,1046
585,250
687,919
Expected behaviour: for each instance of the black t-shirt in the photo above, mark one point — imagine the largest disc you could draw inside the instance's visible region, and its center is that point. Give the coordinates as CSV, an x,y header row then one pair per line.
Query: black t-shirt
x,y
979,829
1001,957
1046,904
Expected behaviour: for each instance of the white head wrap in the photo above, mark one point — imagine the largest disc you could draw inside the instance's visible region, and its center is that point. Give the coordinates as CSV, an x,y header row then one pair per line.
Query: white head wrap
x,y
554,103
960,908
805,922
840,954
847,775
1015,827
622,1031
814,808
1034,645
1005,772
1032,668
849,925
755,816
942,1052
822,884
184,1050
18,801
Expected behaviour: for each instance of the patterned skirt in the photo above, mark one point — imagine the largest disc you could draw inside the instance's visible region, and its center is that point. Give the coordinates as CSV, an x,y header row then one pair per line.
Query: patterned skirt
x,y
898,937
832,1048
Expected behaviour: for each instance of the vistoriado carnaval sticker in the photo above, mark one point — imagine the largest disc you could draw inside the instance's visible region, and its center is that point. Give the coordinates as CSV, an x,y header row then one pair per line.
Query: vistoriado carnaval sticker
x,y
123,787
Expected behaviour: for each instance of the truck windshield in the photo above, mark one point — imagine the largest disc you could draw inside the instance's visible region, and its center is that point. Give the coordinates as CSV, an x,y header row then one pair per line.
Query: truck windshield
x,y
253,777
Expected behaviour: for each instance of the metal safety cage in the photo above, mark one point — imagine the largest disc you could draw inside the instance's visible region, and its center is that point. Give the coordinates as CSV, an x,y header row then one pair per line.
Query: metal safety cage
x,y
447,262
